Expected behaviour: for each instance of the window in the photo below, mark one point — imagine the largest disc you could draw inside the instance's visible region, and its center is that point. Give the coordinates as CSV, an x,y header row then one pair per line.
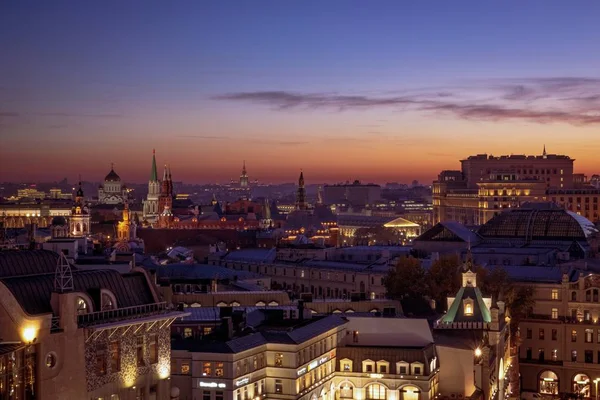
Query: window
x,y
115,357
185,367
589,336
573,296
278,386
346,391
573,335
187,332
589,356
541,355
528,353
382,367
101,360
548,383
368,366
541,334
140,351
555,355
402,368
255,363
554,313
581,386
219,369
50,360
206,369
346,365
206,395
153,349
107,302
278,359
82,306
468,307
574,355
376,392
554,334
554,294
219,395
529,333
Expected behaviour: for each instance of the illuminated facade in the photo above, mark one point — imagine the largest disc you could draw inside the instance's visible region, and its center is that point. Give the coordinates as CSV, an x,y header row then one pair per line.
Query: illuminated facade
x,y
474,337
560,340
112,191
15,215
80,216
322,358
486,185
87,334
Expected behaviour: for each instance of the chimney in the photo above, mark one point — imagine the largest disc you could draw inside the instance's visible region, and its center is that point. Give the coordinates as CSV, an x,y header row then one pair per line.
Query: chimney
x,y
501,305
228,327
301,310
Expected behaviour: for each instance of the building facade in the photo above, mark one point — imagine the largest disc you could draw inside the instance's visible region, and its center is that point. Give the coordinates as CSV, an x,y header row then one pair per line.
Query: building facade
x,y
84,334
112,191
559,353
487,185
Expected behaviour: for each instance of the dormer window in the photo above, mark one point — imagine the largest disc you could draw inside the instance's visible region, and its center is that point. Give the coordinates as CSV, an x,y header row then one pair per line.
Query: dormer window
x,y
468,307
82,306
107,302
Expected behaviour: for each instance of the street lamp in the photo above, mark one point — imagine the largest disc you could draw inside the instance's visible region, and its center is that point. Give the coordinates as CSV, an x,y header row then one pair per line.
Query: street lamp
x,y
596,386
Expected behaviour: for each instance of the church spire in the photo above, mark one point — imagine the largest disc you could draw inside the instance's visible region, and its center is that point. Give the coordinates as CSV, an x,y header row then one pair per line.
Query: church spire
x,y
165,176
153,172
301,194
544,153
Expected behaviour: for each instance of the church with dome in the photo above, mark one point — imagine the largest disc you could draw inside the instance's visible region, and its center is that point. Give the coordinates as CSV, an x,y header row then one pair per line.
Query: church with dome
x,y
112,191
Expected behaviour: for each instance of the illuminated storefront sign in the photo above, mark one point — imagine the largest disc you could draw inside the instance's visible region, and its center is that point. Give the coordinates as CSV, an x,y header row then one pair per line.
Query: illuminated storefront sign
x,y
211,385
242,381
314,364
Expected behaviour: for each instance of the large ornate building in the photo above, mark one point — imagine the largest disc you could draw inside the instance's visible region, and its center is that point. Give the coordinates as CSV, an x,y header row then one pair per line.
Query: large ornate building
x,y
69,333
112,191
474,337
151,210
486,185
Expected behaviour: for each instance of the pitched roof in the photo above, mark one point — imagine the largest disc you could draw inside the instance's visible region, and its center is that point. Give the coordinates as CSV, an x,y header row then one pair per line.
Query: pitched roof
x,y
456,312
449,231
27,262
34,292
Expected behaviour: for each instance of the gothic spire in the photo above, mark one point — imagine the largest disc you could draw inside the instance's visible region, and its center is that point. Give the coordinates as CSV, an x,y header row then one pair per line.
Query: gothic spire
x,y
153,173
165,176
301,194
544,153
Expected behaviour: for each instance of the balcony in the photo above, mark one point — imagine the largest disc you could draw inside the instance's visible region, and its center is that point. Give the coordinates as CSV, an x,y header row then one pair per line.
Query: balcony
x,y
119,314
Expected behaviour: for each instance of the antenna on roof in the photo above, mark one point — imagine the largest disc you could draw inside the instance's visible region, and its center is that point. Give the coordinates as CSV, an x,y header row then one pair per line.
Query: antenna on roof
x,y
63,278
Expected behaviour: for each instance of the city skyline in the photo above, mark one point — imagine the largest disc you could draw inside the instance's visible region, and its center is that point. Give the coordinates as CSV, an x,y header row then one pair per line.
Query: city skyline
x,y
381,94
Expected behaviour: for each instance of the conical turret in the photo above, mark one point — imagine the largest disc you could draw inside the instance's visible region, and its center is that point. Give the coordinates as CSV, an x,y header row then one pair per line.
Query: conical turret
x,y
153,171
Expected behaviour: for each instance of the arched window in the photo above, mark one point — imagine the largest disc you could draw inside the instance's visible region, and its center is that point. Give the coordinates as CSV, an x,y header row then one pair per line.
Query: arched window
x,y
573,296
346,390
581,385
376,391
260,304
410,393
548,382
235,304
78,227
107,302
82,306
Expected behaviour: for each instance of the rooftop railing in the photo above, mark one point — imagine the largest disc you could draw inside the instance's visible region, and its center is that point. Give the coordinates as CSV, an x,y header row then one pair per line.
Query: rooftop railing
x,y
134,312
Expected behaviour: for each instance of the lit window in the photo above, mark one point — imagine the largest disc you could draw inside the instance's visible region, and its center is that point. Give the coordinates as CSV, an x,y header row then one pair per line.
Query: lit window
x,y
140,351
555,313
468,307
153,349
185,367
206,369
107,302
219,369
278,360
278,386
187,332
115,357
82,306
554,294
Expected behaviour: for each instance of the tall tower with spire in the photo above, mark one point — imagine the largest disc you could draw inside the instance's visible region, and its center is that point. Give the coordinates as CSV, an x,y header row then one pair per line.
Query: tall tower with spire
x,y
244,176
544,154
165,200
151,210
79,223
301,194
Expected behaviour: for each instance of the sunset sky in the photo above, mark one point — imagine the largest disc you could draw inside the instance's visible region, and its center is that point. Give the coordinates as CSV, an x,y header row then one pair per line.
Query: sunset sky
x,y
373,90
